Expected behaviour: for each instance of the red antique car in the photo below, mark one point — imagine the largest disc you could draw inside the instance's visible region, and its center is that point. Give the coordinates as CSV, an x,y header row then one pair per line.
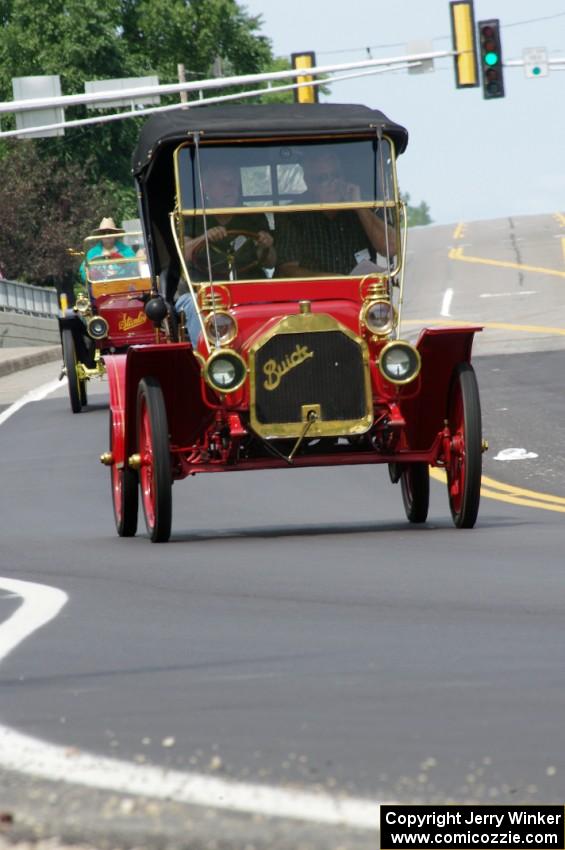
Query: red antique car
x,y
280,233
107,316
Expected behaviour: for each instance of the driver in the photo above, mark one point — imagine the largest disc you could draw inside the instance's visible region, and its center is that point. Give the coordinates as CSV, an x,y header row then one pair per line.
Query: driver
x,y
233,254
108,247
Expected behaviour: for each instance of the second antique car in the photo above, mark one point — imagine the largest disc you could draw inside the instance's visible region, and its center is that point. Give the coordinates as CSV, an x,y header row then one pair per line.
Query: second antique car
x,y
107,314
279,234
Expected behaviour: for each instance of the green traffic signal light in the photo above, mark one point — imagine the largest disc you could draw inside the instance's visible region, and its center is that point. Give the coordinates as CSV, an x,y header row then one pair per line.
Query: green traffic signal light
x,y
492,69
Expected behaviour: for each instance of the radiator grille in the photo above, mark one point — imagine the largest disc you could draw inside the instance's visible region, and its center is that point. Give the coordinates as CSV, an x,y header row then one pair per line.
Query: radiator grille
x,y
322,368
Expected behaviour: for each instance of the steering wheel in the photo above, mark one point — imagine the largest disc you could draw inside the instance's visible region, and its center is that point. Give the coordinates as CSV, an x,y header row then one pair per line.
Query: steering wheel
x,y
227,255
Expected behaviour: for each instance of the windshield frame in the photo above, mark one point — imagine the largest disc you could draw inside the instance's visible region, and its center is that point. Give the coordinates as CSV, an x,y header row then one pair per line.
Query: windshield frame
x,y
392,204
292,207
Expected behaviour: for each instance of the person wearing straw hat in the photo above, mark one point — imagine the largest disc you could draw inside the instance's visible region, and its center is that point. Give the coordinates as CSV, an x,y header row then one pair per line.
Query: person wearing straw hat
x,y
109,246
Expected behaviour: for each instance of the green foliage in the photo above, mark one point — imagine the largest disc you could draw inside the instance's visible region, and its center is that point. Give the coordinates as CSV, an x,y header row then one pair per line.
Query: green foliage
x,y
46,210
162,33
416,215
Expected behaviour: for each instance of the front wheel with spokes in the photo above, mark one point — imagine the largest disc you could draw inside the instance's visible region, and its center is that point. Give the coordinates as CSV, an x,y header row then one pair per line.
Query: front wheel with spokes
x,y
77,396
125,493
155,476
464,458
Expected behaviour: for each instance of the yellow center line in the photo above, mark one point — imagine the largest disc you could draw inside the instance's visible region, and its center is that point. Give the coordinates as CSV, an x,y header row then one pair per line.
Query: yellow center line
x,y
560,218
563,247
499,326
521,491
458,232
457,254
511,494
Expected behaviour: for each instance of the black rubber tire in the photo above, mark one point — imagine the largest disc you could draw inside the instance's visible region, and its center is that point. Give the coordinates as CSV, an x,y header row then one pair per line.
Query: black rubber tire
x,y
464,393
83,393
70,363
127,491
157,504
415,485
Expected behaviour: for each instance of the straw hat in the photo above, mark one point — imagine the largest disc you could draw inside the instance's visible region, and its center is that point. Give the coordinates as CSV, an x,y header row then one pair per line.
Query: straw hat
x,y
107,227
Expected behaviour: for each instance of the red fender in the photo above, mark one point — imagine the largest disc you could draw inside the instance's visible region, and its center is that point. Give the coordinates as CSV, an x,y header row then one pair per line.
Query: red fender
x,y
441,350
116,372
179,374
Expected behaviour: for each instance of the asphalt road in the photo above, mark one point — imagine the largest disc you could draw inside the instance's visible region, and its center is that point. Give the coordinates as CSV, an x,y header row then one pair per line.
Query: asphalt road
x,y
296,631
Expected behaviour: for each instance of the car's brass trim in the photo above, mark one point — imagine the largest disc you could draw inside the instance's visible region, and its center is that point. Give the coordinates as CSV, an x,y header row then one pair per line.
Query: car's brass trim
x,y
289,208
232,355
394,203
82,305
398,343
310,323
98,318
134,461
209,327
84,373
388,328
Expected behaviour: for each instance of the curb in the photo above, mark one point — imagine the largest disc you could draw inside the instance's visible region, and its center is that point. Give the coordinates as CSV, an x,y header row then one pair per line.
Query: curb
x,y
26,361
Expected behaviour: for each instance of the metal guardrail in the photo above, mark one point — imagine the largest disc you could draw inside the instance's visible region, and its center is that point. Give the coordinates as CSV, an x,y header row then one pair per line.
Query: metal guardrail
x,y
24,298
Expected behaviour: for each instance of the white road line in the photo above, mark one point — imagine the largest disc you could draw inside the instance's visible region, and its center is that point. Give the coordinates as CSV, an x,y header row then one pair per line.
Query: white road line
x,y
446,303
34,757
37,758
41,604
507,294
33,395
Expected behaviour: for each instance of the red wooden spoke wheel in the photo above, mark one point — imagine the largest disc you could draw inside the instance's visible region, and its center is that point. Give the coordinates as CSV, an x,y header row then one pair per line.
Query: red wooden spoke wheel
x,y
124,486
415,485
155,471
464,458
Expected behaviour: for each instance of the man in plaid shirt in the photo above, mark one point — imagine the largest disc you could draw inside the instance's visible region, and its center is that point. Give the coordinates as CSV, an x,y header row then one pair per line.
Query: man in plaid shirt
x,y
321,243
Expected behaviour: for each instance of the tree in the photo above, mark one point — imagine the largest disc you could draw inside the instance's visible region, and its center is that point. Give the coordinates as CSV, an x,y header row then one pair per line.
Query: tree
x,y
416,215
102,39
162,33
98,39
46,210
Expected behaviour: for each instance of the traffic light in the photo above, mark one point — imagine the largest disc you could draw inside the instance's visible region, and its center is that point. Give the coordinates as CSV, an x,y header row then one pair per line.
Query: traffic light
x,y
464,46
491,59
305,94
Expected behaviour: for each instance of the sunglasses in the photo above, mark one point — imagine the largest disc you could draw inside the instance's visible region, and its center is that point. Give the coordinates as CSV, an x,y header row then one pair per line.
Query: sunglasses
x,y
325,176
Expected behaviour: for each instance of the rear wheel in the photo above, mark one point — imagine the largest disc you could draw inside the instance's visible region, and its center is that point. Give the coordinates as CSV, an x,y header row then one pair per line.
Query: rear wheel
x,y
155,471
415,485
125,493
464,464
70,363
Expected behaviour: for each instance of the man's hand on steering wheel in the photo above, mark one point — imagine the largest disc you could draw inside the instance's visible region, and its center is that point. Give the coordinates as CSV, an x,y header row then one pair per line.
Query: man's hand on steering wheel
x,y
230,255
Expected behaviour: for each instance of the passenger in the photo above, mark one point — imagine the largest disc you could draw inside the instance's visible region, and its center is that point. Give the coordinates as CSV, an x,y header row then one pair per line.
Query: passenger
x,y
240,245
330,241
109,245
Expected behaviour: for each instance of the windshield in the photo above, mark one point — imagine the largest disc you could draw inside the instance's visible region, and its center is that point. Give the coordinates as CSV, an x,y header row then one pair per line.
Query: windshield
x,y
286,210
276,174
112,258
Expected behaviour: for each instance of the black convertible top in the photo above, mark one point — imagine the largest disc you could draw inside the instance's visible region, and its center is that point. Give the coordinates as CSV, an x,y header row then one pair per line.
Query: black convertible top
x,y
232,121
